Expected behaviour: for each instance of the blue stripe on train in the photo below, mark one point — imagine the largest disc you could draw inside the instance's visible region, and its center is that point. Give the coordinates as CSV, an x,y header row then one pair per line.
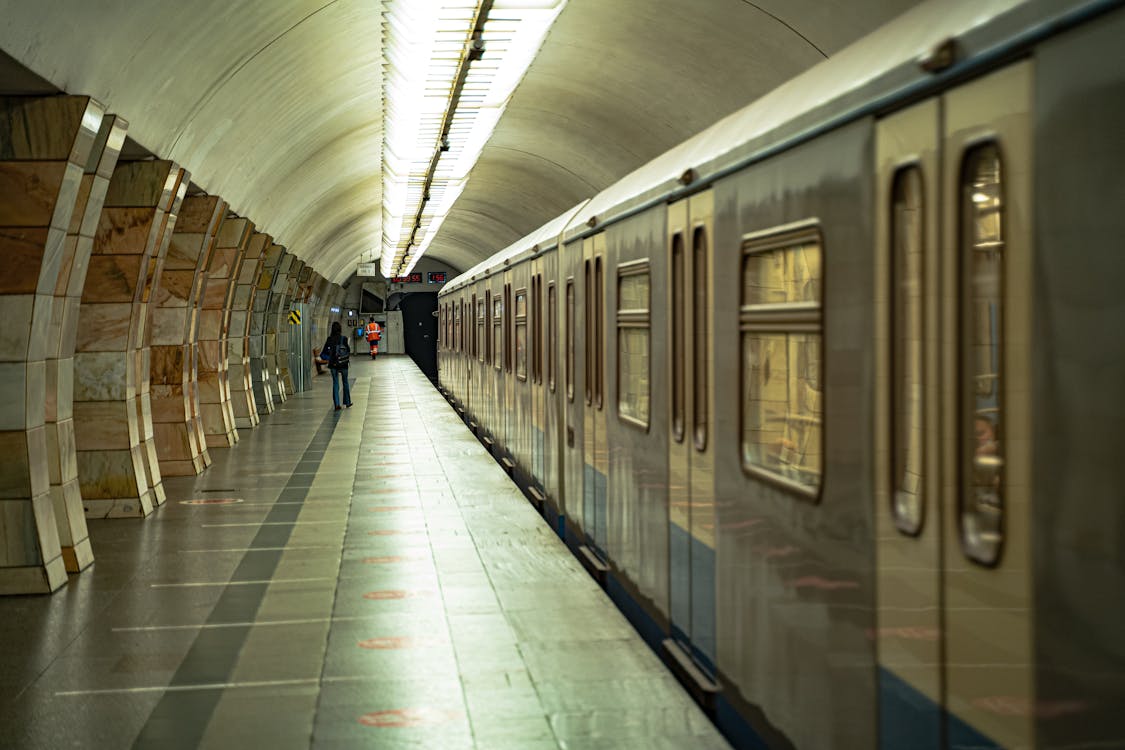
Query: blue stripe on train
x,y
732,724
908,720
699,612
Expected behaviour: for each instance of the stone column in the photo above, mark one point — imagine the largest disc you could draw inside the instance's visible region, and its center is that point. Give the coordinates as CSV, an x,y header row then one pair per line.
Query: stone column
x,y
246,288
114,469
45,143
181,448
275,326
260,372
144,353
293,290
62,456
214,324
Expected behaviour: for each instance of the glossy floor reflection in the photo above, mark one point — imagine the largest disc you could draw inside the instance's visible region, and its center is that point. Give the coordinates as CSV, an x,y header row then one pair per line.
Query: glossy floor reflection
x,y
364,578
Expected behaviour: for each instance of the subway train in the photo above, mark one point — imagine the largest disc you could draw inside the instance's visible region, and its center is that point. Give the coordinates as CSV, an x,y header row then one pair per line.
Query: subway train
x,y
831,397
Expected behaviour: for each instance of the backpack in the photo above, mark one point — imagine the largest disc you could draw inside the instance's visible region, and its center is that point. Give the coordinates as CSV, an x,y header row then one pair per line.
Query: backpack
x,y
340,354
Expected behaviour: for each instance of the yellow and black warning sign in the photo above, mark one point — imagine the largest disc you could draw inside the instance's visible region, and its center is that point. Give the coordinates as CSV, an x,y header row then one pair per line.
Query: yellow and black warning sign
x,y
295,317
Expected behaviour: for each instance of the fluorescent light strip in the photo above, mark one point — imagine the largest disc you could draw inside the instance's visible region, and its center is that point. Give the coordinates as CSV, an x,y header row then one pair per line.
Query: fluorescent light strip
x,y
424,43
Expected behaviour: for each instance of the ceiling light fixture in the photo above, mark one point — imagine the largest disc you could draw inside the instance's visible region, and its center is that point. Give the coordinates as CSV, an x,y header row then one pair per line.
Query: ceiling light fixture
x,y
451,69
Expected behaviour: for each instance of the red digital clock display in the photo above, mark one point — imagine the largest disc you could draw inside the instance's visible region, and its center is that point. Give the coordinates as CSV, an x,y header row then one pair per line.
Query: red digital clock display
x,y
413,278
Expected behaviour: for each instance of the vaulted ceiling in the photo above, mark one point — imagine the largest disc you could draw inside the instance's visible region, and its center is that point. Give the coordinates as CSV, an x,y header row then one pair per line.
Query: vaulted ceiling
x,y
276,105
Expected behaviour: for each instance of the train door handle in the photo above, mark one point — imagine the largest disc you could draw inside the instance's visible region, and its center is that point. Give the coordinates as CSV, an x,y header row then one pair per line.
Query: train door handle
x,y
569,437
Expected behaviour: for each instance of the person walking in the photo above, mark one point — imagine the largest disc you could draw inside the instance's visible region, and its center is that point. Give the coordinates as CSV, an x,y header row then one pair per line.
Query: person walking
x,y
337,352
374,333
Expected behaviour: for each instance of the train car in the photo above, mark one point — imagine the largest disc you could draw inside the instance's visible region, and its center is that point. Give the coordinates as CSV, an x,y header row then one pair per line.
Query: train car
x,y
833,393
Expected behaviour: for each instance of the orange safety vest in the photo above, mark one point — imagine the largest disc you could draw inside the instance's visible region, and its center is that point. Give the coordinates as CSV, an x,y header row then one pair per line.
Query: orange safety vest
x,y
374,332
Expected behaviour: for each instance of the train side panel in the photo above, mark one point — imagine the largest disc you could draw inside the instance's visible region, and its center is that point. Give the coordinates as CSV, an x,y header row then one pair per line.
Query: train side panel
x,y
636,405
795,580
1078,368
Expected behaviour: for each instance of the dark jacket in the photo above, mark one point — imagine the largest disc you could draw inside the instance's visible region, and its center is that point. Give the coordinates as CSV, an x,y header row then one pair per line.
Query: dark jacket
x,y
328,351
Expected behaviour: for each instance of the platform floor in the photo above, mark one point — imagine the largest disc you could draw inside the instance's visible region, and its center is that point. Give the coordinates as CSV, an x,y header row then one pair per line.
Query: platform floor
x,y
363,578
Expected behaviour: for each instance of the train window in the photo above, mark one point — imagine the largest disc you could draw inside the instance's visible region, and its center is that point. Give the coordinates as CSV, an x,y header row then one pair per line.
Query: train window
x,y
537,329
677,337
781,332
588,321
552,327
633,331
700,336
907,503
570,339
471,328
497,321
521,334
507,328
982,348
480,344
599,333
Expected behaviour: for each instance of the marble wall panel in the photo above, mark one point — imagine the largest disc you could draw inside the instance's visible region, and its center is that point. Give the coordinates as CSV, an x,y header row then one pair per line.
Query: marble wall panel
x,y
66,493
241,380
293,294
279,297
220,283
45,143
176,189
260,374
112,358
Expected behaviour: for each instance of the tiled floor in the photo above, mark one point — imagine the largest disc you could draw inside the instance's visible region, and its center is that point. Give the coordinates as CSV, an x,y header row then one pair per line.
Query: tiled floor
x,y
378,583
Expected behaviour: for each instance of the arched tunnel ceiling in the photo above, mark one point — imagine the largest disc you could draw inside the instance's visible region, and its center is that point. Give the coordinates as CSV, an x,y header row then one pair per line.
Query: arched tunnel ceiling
x,y
276,105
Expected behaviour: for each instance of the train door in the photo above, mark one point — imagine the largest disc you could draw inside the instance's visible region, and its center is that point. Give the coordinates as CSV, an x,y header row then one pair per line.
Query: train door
x,y
467,356
478,353
535,373
508,391
953,438
555,438
573,368
595,457
496,407
691,504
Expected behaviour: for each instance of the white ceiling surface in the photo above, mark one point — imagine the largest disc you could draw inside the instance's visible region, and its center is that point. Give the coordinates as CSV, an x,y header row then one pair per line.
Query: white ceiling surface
x,y
275,105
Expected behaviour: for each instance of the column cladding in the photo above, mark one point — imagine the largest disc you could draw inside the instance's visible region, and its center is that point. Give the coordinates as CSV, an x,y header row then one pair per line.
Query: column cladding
x,y
62,455
144,353
109,362
45,144
246,288
180,442
276,326
214,327
260,372
292,295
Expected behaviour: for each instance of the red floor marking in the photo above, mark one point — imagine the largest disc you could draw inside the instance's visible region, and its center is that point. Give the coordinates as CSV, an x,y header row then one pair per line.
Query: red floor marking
x,y
392,508
212,501
391,559
396,594
394,532
408,717
396,643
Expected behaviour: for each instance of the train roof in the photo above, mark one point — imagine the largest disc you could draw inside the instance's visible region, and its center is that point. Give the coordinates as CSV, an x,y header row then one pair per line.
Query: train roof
x,y
864,78
542,239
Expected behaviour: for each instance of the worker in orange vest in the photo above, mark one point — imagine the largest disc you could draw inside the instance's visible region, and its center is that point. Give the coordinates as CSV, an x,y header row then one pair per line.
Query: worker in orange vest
x,y
374,332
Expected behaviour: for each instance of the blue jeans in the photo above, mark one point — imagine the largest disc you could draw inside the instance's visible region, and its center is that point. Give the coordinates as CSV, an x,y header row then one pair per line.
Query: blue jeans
x,y
337,376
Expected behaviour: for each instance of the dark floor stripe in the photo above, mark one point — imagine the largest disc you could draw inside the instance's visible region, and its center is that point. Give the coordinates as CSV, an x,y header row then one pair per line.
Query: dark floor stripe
x,y
180,719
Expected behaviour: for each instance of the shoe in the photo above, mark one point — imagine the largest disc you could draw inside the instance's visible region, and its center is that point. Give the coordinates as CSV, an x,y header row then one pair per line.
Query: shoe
x,y
348,405
337,408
